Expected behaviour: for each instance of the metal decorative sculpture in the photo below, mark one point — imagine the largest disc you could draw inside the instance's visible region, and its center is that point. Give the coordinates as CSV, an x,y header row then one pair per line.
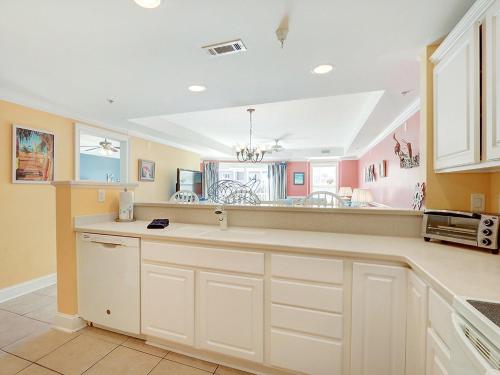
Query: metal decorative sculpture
x,y
418,196
406,159
234,192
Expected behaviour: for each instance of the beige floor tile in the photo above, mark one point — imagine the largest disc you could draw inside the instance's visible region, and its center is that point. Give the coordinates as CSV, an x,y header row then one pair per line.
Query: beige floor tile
x,y
45,314
10,365
198,363
166,367
105,335
124,361
50,291
14,327
27,303
141,345
78,355
36,346
223,370
34,369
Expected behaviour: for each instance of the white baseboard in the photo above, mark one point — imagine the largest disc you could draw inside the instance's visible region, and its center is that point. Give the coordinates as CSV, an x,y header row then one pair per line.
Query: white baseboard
x,y
68,323
27,287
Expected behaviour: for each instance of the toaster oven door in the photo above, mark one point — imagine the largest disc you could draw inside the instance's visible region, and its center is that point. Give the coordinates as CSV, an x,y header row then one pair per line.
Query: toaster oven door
x,y
452,226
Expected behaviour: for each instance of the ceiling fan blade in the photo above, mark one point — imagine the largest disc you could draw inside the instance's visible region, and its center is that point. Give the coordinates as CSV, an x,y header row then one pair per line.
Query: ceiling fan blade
x,y
92,149
114,149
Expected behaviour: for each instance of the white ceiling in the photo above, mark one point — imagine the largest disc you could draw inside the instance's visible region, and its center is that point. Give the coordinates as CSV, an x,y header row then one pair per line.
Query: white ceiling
x,y
70,56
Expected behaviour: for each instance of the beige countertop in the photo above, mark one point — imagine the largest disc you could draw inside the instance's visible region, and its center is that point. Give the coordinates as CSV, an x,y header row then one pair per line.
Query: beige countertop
x,y
451,270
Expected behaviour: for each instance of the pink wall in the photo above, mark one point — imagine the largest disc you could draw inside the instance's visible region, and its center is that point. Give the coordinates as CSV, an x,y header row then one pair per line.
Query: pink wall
x,y
297,190
397,188
348,173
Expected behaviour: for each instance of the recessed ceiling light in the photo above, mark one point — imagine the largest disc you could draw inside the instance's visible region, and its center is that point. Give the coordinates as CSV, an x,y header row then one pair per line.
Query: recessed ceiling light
x,y
197,88
149,4
323,69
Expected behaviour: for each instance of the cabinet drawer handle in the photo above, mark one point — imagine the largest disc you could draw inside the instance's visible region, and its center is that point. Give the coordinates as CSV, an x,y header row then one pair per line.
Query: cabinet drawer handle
x,y
107,244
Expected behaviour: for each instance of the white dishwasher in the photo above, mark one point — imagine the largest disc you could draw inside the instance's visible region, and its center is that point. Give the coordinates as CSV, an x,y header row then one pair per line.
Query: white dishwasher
x,y
109,281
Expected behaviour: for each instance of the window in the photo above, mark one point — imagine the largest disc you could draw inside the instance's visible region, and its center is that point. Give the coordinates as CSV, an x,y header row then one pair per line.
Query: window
x,y
324,177
100,155
245,173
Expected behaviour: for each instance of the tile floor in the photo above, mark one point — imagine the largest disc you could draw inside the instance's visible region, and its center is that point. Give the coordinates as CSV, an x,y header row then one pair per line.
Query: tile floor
x,y
29,346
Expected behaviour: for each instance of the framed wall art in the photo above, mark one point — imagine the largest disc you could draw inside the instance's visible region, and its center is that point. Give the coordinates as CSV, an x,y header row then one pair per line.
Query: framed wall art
x,y
147,170
33,155
298,178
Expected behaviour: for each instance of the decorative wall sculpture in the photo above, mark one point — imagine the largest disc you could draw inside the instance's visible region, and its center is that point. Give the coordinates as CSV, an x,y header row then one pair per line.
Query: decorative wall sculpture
x,y
234,192
418,196
406,158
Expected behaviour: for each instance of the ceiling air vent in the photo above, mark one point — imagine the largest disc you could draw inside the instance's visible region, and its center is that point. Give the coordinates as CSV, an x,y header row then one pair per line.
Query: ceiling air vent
x,y
226,48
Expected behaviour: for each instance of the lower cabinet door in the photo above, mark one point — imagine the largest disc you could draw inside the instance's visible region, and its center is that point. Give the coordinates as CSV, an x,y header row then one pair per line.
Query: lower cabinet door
x,y
378,320
305,353
168,303
416,325
438,355
231,315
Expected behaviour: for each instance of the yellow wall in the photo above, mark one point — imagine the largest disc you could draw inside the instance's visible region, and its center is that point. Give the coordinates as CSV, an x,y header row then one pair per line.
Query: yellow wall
x,y
167,160
28,212
448,190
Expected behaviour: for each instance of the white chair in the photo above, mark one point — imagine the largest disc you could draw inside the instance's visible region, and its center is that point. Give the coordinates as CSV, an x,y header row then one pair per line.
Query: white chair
x,y
184,196
324,199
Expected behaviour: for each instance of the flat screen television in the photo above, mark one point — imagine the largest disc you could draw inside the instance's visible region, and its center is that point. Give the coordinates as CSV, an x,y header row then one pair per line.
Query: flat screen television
x,y
189,180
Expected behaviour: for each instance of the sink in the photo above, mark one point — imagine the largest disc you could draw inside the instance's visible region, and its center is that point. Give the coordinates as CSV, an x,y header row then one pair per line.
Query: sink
x,y
190,231
233,234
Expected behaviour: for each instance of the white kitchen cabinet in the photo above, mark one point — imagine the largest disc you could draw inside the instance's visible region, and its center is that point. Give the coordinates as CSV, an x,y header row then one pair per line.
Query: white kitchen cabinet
x,y
491,81
231,315
378,319
457,103
416,325
168,303
438,355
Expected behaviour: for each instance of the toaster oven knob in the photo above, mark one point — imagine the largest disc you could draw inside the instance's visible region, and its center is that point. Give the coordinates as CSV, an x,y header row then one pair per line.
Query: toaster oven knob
x,y
487,232
486,241
488,222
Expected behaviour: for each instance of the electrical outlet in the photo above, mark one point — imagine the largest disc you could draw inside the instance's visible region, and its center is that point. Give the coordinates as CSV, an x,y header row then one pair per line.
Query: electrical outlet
x,y
101,195
477,203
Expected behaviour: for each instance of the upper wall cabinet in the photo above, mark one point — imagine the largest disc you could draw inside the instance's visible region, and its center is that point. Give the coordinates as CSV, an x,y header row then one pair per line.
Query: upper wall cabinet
x,y
491,81
466,130
456,104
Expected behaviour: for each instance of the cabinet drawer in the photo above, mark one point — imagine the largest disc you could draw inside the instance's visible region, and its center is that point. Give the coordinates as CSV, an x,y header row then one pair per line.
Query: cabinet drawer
x,y
308,321
305,354
205,257
307,268
440,317
319,297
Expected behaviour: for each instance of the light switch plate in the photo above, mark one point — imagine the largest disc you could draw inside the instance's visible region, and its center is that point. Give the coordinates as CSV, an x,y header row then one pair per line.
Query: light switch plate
x,y
101,195
477,202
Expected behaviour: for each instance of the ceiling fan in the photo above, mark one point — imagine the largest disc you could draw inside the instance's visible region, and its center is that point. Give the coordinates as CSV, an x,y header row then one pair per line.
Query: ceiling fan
x,y
105,148
277,147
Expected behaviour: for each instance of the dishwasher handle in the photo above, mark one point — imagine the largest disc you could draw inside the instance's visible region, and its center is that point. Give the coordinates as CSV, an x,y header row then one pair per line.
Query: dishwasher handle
x,y
108,244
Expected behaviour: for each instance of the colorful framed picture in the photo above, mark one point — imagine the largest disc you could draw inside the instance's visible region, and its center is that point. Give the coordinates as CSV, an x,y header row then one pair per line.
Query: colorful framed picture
x,y
382,170
298,178
146,170
33,156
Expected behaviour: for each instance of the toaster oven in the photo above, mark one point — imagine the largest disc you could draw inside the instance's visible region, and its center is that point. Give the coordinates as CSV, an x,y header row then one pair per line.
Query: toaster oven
x,y
468,228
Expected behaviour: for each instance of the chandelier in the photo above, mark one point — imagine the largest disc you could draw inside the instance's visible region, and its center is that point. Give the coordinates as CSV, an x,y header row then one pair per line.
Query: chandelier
x,y
248,152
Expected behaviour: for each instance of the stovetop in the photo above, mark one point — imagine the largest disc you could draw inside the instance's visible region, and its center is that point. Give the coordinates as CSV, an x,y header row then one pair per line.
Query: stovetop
x,y
489,309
